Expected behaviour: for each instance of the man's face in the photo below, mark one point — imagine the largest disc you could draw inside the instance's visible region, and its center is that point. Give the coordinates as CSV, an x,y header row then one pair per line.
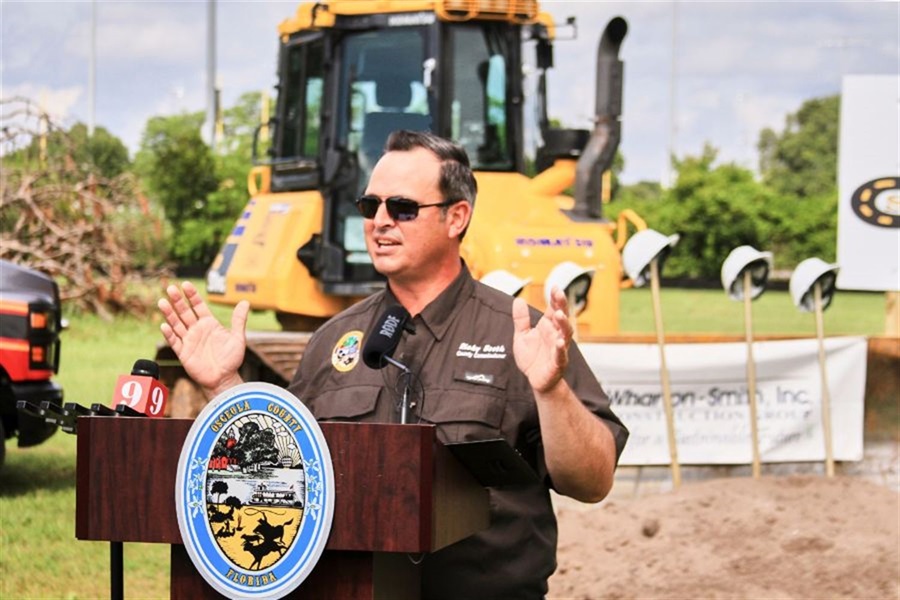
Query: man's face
x,y
408,251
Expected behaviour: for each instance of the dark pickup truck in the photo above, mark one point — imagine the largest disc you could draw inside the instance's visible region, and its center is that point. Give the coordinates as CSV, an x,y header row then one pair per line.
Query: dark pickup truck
x,y
30,322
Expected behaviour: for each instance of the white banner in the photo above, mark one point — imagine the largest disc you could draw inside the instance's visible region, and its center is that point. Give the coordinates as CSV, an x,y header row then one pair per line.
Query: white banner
x,y
710,399
868,236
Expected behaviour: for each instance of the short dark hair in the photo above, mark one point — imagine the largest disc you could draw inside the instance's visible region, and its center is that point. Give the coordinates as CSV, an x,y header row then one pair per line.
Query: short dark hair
x,y
457,182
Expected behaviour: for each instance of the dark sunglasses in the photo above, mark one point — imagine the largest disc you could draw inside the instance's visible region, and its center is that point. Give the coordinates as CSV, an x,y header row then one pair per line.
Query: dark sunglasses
x,y
399,208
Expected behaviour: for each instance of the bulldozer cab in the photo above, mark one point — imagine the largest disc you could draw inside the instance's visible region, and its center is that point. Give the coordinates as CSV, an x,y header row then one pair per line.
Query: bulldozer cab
x,y
352,71
344,88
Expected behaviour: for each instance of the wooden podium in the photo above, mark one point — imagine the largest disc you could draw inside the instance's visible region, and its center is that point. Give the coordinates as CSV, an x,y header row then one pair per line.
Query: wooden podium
x,y
398,494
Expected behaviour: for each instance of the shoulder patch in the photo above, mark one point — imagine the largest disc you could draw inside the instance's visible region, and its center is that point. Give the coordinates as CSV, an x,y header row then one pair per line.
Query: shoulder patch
x,y
347,351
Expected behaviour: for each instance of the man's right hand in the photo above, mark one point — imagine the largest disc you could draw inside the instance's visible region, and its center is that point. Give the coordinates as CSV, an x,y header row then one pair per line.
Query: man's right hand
x,y
210,354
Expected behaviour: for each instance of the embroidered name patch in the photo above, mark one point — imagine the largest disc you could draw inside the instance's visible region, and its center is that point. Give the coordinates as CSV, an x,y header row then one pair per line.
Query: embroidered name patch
x,y
346,352
467,350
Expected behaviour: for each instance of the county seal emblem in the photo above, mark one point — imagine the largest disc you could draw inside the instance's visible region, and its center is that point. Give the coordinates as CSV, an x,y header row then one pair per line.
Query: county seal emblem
x,y
254,493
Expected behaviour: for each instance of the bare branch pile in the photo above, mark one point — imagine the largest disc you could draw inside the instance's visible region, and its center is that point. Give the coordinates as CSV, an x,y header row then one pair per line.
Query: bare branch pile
x,y
61,218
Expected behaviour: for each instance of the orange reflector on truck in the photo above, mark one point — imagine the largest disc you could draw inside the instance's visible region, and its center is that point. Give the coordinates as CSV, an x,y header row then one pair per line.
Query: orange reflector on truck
x,y
38,320
38,354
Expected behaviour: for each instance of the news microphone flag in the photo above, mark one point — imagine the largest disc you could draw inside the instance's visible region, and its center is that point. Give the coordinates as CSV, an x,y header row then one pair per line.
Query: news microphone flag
x,y
142,391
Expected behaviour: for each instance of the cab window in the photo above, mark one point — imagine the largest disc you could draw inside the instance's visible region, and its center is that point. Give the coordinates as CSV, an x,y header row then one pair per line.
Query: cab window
x,y
301,86
479,103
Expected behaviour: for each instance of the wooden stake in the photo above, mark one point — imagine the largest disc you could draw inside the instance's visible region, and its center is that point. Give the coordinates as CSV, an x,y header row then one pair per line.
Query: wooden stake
x,y
751,374
826,401
664,374
892,314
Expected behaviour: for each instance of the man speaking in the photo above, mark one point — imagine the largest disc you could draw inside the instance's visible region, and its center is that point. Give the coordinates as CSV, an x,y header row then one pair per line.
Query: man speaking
x,y
478,365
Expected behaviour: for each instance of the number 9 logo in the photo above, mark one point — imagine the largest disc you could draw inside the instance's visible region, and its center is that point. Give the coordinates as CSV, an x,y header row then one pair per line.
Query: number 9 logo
x,y
156,401
134,391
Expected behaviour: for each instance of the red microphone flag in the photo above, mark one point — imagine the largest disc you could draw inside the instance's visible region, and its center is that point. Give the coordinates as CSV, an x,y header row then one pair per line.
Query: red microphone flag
x,y
141,393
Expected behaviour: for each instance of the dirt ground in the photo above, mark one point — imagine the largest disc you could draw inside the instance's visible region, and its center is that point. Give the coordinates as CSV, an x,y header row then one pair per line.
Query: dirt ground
x,y
788,536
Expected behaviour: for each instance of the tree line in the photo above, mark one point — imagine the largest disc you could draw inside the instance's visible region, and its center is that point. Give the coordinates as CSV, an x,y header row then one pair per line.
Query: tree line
x,y
190,196
790,209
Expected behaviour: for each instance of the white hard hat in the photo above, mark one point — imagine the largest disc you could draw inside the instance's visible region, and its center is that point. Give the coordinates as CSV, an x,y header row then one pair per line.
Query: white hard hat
x,y
641,249
741,259
505,281
805,276
569,274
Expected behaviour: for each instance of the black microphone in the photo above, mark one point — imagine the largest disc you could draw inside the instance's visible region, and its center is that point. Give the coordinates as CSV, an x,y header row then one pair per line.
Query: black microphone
x,y
383,338
380,343
145,367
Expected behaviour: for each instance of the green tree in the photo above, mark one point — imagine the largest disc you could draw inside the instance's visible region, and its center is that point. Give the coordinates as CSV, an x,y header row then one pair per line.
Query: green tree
x,y
102,150
240,122
801,161
179,172
806,227
202,192
102,153
714,209
232,165
640,192
800,166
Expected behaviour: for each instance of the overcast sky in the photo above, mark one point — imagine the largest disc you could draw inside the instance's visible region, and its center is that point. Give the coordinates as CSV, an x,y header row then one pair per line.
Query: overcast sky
x,y
738,66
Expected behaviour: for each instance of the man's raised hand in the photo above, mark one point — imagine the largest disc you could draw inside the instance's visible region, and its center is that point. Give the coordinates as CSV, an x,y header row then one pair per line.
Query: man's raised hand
x,y
542,351
210,354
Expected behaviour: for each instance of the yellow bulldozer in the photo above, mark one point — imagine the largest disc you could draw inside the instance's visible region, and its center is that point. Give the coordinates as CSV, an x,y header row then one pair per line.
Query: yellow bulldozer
x,y
352,71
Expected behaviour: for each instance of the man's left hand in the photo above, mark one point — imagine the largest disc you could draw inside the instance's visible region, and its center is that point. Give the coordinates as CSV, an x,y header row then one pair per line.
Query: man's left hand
x,y
542,351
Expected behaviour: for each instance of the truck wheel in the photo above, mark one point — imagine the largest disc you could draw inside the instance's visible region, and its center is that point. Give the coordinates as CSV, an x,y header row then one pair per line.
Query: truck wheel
x,y
186,399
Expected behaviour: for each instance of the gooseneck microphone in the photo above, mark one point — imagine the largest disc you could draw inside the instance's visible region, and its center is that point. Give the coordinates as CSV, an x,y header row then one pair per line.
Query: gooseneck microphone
x,y
380,343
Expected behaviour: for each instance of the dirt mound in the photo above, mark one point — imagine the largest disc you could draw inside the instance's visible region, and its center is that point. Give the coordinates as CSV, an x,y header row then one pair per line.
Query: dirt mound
x,y
798,536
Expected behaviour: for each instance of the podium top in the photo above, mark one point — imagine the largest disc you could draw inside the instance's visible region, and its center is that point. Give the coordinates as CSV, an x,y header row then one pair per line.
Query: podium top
x,y
397,488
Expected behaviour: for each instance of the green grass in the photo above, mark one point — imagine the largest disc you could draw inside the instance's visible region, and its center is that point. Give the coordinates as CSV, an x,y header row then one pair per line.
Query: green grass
x,y
711,311
39,555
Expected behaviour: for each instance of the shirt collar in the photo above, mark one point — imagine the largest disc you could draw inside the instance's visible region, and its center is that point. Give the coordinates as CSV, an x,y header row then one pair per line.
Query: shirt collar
x,y
440,312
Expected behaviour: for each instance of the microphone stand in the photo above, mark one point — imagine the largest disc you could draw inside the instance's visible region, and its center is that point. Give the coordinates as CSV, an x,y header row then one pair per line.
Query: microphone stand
x,y
404,398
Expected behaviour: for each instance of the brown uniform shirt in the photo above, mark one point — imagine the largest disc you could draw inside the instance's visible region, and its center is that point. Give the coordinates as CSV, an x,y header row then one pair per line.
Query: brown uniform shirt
x,y
469,386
